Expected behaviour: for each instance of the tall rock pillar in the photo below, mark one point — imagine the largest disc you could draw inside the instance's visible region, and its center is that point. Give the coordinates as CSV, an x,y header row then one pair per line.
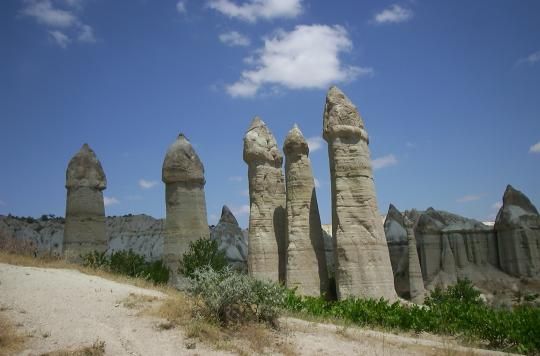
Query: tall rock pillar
x,y
363,266
84,231
416,282
306,260
267,218
183,175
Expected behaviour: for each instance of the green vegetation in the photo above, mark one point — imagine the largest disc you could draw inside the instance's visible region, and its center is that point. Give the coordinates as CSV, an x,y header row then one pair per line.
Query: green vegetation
x,y
458,310
233,298
128,263
202,253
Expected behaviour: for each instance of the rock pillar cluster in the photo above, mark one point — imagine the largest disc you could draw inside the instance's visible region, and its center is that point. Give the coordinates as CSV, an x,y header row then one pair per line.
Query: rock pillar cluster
x,y
85,211
267,220
363,266
306,261
186,221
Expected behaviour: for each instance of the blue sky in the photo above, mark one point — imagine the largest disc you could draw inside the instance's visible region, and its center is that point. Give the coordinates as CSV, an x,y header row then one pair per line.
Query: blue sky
x,y
449,92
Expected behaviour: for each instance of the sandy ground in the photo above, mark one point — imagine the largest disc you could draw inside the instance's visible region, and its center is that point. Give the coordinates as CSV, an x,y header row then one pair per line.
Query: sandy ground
x,y
65,309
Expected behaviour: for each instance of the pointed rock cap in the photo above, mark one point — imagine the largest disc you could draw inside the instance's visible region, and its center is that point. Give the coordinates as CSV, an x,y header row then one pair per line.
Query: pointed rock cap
x,y
84,170
394,214
260,145
227,216
182,164
295,142
341,118
514,197
516,211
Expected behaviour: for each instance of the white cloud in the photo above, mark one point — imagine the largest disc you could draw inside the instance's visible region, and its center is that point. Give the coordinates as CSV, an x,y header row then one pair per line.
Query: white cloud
x,y
384,161
393,14
236,179
60,38
86,34
252,10
44,13
181,6
307,57
241,210
531,58
315,143
234,39
468,198
110,201
497,205
317,183
47,13
147,184
535,148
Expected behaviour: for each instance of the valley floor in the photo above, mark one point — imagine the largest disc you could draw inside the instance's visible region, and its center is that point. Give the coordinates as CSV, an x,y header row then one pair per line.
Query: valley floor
x,y
63,309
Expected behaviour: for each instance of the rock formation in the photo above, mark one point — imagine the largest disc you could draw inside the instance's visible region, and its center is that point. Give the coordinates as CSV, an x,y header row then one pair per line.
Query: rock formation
x,y
362,261
85,211
140,233
306,261
518,235
267,219
183,175
450,247
416,282
231,240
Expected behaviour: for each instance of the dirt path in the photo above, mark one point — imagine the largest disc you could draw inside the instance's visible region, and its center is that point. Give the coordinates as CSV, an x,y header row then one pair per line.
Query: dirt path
x,y
65,309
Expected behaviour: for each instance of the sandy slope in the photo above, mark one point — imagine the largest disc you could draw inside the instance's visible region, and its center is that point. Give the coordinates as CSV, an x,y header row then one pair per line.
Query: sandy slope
x,y
67,309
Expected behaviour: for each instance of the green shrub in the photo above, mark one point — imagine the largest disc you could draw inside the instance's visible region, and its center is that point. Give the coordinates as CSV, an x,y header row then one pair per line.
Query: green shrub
x,y
95,260
456,310
234,298
202,253
128,263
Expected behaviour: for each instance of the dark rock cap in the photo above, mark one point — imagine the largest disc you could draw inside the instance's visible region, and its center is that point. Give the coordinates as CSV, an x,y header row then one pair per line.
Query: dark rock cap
x,y
182,164
227,217
84,170
514,197
341,117
260,145
295,142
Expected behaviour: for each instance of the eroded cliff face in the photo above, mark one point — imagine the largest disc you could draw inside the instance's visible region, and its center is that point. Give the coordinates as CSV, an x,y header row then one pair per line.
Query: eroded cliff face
x,y
451,247
85,209
518,235
362,260
142,234
267,218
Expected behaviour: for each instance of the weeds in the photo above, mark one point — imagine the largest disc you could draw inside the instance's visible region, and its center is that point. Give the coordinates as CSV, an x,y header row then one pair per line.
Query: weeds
x,y
10,340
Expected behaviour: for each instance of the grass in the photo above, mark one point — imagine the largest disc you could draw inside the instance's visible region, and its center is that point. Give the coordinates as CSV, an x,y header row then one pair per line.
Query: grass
x,y
96,349
10,340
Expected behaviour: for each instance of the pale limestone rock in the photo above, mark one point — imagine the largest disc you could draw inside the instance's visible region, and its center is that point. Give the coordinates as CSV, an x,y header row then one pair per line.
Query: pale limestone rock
x,y
231,240
85,211
416,282
518,235
140,233
267,219
363,267
306,261
185,222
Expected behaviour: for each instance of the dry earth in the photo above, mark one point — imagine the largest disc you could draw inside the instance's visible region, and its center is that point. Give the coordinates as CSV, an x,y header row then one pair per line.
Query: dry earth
x,y
65,309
